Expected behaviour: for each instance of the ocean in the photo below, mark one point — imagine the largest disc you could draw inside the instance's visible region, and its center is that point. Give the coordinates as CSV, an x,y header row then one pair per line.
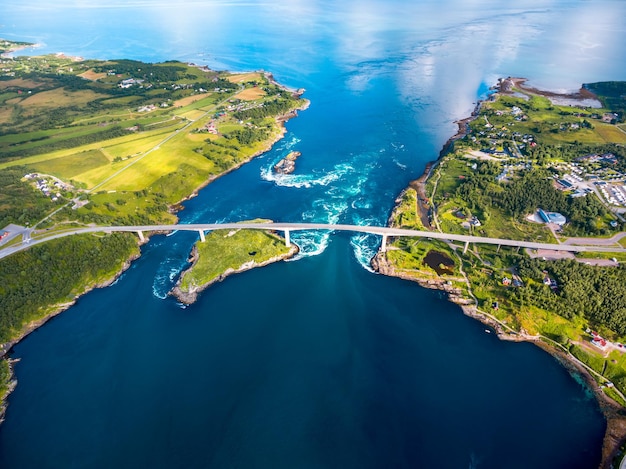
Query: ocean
x,y
315,362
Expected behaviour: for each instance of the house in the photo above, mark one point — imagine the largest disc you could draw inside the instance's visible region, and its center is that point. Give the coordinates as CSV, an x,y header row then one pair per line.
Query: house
x,y
599,342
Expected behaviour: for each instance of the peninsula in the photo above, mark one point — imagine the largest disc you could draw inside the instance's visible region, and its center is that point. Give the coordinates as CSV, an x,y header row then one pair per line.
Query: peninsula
x,y
89,142
536,166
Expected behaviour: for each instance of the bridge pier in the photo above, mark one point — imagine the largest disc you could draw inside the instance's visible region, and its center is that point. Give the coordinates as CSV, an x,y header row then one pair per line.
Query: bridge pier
x,y
383,244
287,239
465,247
141,238
498,250
202,238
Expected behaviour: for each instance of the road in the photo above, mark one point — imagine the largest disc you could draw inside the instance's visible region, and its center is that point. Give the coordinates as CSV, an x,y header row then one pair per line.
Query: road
x,y
287,228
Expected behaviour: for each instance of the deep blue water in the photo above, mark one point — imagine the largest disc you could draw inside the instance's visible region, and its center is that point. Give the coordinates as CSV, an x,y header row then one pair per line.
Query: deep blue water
x,y
316,362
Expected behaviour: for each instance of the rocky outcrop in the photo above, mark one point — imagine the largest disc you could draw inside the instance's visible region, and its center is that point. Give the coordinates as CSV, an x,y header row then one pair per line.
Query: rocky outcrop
x,y
288,164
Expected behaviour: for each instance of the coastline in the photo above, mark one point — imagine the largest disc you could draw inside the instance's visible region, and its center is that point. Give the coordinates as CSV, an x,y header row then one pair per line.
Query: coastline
x,y
55,310
614,413
190,297
280,121
7,54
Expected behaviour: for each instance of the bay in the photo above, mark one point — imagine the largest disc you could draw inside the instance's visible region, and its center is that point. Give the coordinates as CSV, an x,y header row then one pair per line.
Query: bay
x,y
316,362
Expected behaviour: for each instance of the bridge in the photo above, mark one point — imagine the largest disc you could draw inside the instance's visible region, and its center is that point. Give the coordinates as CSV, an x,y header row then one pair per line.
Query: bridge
x,y
288,228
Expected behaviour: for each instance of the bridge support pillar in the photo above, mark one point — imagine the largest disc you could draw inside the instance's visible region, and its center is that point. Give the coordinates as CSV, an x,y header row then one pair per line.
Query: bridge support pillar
x,y
465,247
498,248
202,238
383,244
287,239
141,238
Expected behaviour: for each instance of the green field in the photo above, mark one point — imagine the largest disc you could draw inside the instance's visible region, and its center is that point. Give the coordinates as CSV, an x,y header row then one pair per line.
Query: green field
x,y
69,166
226,250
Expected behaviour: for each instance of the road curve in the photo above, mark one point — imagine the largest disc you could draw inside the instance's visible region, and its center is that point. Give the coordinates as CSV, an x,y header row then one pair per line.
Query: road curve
x,y
289,227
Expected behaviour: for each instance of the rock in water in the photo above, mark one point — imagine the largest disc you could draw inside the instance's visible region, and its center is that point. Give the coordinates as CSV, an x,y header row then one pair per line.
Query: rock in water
x,y
288,164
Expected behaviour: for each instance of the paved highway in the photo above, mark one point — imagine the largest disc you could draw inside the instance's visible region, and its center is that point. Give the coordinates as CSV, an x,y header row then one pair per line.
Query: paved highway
x,y
287,228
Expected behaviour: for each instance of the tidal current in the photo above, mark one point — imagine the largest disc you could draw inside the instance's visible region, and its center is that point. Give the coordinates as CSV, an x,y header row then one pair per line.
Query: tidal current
x,y
316,362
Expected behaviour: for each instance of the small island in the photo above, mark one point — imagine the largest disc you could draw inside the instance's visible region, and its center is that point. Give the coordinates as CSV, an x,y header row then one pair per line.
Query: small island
x,y
288,164
532,165
225,253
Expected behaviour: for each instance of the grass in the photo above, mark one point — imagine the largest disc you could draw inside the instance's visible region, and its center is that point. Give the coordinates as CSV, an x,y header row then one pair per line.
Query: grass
x,y
58,97
452,171
250,94
610,133
241,77
191,99
407,211
225,250
70,166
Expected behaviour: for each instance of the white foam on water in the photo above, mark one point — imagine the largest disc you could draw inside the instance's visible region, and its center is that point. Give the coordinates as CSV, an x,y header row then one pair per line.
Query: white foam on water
x,y
304,181
311,243
166,275
365,247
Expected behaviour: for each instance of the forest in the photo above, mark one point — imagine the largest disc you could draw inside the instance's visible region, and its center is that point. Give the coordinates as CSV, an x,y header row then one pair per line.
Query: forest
x,y
612,94
533,189
595,293
49,274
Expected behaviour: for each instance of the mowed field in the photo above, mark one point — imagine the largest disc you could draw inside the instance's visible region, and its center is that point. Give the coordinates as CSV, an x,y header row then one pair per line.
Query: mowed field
x,y
610,133
250,94
72,165
241,77
91,75
191,99
58,97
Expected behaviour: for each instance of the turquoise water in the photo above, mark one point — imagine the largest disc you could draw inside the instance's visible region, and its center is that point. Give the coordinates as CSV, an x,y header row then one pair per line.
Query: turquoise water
x,y
316,362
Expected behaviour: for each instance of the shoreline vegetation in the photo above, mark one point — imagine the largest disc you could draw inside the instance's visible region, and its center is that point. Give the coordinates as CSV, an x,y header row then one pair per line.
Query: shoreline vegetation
x,y
227,128
423,206
201,126
222,255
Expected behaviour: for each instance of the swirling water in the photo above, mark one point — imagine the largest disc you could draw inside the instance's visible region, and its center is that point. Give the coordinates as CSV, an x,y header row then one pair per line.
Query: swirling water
x,y
316,362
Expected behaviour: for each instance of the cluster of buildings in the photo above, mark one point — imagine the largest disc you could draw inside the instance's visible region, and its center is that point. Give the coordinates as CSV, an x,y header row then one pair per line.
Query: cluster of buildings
x,y
48,186
612,193
151,107
608,158
609,184
210,128
128,82
242,106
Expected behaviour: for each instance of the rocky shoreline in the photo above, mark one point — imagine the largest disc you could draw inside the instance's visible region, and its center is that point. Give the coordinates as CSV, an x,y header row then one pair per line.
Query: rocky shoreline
x,y
190,297
55,310
614,413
